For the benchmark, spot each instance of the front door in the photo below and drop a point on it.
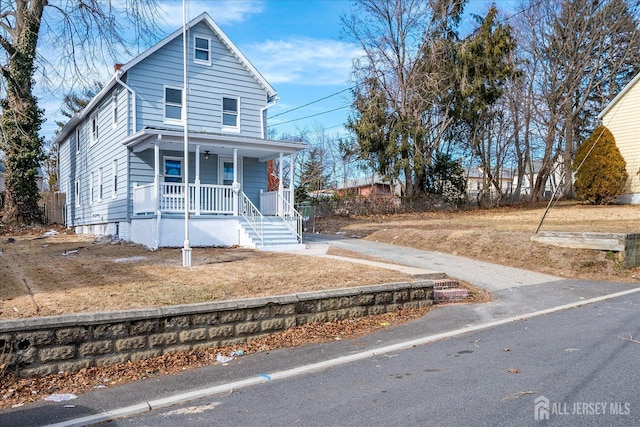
(225, 170)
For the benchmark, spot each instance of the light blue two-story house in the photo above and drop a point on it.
(122, 158)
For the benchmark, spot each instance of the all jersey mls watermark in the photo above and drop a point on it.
(543, 408)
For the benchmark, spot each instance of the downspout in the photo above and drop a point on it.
(133, 100)
(271, 103)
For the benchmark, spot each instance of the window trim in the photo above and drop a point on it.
(77, 139)
(227, 128)
(196, 49)
(95, 128)
(164, 169)
(114, 179)
(170, 120)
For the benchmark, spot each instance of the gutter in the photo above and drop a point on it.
(272, 100)
(133, 100)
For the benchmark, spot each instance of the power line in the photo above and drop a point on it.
(312, 102)
(312, 115)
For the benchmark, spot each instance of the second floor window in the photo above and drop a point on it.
(230, 115)
(94, 128)
(172, 104)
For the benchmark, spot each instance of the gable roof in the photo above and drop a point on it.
(203, 17)
(619, 96)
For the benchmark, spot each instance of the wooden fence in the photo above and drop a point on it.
(53, 207)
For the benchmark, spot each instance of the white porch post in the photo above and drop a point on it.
(291, 195)
(156, 173)
(280, 188)
(197, 180)
(236, 184)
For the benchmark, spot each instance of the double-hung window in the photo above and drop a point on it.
(202, 50)
(231, 114)
(94, 128)
(114, 179)
(78, 201)
(91, 187)
(100, 185)
(114, 111)
(172, 105)
(78, 139)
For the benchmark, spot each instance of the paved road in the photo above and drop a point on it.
(578, 360)
(516, 293)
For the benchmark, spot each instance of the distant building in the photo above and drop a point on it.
(373, 186)
(476, 182)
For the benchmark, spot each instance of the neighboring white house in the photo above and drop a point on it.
(621, 118)
(122, 162)
(476, 182)
(555, 178)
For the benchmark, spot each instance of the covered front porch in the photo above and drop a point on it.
(227, 181)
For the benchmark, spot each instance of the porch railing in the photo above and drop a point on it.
(254, 218)
(203, 198)
(144, 198)
(291, 217)
(269, 201)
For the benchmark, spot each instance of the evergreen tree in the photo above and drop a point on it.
(312, 175)
(600, 169)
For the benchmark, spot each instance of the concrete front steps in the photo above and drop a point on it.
(447, 290)
(277, 236)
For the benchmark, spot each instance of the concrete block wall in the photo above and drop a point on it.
(48, 345)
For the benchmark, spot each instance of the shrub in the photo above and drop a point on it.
(600, 170)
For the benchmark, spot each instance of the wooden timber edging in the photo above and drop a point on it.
(627, 245)
(67, 343)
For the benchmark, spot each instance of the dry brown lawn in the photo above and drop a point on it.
(503, 236)
(66, 273)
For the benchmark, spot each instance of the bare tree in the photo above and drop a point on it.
(75, 32)
(405, 74)
(584, 52)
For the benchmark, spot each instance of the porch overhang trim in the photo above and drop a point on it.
(147, 137)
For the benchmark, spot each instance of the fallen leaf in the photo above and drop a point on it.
(514, 371)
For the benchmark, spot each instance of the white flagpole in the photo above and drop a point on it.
(186, 250)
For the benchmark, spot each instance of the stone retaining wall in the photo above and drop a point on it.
(47, 345)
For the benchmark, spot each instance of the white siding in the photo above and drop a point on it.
(622, 121)
(226, 76)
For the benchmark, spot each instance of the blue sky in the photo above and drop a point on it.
(295, 44)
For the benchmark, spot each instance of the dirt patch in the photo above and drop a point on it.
(503, 236)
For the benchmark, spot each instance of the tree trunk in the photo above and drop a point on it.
(21, 120)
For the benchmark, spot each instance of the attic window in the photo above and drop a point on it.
(202, 53)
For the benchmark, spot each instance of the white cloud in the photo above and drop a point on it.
(304, 61)
(224, 12)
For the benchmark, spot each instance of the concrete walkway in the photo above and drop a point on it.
(484, 274)
(320, 250)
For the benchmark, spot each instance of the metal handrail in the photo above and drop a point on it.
(253, 216)
(290, 211)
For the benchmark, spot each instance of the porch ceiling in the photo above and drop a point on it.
(215, 143)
